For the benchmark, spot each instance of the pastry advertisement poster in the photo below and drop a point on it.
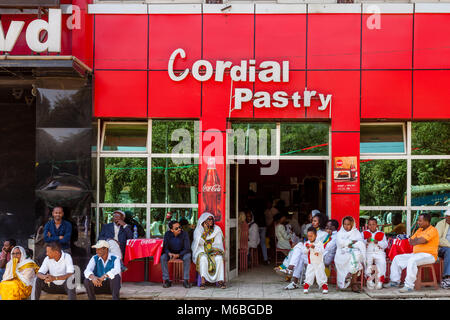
(345, 174)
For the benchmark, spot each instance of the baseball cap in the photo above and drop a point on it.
(121, 212)
(101, 244)
(315, 212)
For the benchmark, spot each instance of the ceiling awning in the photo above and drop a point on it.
(22, 69)
(29, 3)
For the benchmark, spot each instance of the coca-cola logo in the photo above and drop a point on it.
(213, 188)
(339, 163)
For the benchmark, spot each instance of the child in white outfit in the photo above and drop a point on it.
(313, 248)
(376, 243)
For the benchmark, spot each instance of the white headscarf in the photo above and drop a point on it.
(216, 234)
(27, 275)
(344, 237)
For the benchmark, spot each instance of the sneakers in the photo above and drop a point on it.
(325, 288)
(379, 285)
(167, 284)
(406, 289)
(186, 284)
(391, 284)
(306, 288)
(370, 283)
(291, 286)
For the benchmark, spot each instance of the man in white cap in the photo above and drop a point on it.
(102, 274)
(443, 228)
(117, 230)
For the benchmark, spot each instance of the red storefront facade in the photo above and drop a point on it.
(390, 64)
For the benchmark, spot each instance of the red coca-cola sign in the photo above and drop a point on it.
(339, 163)
(211, 190)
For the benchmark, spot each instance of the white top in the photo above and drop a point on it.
(111, 273)
(253, 236)
(282, 237)
(116, 232)
(316, 254)
(57, 268)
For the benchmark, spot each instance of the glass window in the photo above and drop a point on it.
(160, 217)
(175, 136)
(94, 137)
(252, 139)
(304, 139)
(432, 138)
(125, 137)
(383, 182)
(391, 223)
(174, 182)
(133, 217)
(430, 182)
(124, 180)
(388, 138)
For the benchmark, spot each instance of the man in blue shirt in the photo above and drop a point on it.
(58, 230)
(176, 246)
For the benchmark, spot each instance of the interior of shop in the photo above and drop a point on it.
(298, 187)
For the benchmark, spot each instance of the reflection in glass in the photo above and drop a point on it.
(168, 134)
(252, 139)
(123, 180)
(63, 151)
(125, 137)
(383, 182)
(392, 223)
(63, 103)
(382, 138)
(430, 182)
(304, 139)
(160, 217)
(134, 217)
(174, 182)
(430, 138)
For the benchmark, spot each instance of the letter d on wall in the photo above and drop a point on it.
(53, 28)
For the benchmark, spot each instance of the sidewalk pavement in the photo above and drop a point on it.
(254, 284)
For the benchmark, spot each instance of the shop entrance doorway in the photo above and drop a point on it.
(297, 187)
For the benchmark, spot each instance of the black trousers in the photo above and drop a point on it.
(108, 286)
(53, 289)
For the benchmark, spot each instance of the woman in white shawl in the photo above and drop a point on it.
(207, 251)
(19, 276)
(350, 255)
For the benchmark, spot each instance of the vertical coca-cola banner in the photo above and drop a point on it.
(212, 176)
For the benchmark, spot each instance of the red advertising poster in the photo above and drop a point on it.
(345, 174)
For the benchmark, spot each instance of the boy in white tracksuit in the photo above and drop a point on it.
(314, 250)
(376, 243)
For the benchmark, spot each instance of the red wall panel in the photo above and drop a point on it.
(83, 35)
(386, 94)
(120, 94)
(390, 46)
(345, 205)
(168, 98)
(344, 86)
(296, 84)
(281, 37)
(334, 41)
(216, 103)
(120, 41)
(431, 94)
(431, 41)
(228, 37)
(168, 32)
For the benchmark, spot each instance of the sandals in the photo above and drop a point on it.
(202, 286)
(222, 285)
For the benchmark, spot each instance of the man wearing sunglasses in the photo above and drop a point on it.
(176, 246)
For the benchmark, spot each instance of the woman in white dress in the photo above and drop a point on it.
(207, 251)
(350, 255)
